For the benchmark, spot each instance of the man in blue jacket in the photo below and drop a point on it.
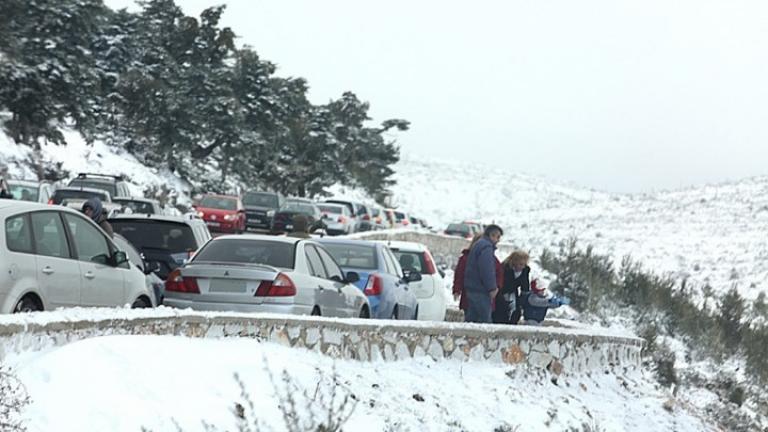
(480, 276)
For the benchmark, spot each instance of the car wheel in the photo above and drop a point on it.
(140, 303)
(365, 313)
(27, 304)
(416, 314)
(316, 311)
(394, 313)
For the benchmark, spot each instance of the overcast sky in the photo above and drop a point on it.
(624, 96)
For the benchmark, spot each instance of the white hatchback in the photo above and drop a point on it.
(53, 256)
(430, 291)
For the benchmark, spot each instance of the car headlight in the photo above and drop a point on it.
(271, 213)
(230, 217)
(201, 214)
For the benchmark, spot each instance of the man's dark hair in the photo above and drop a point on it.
(490, 229)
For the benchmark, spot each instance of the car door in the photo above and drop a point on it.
(58, 275)
(102, 284)
(346, 295)
(404, 305)
(326, 294)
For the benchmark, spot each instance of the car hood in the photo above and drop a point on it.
(217, 212)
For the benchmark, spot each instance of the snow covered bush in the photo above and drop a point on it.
(13, 399)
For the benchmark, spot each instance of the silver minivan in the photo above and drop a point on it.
(53, 256)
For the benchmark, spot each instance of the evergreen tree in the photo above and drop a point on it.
(732, 307)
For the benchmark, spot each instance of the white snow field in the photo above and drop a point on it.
(124, 383)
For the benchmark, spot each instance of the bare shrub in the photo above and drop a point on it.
(13, 399)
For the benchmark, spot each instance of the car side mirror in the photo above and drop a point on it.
(442, 273)
(151, 267)
(412, 276)
(119, 257)
(352, 277)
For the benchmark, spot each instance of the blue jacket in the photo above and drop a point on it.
(480, 273)
(535, 308)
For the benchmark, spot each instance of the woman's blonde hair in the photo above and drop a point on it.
(477, 237)
(517, 257)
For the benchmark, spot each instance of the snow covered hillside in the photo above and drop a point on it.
(128, 382)
(715, 234)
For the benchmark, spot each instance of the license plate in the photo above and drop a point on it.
(228, 285)
(213, 224)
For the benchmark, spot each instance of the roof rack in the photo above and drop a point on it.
(84, 175)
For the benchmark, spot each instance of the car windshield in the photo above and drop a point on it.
(399, 216)
(95, 184)
(63, 196)
(136, 206)
(458, 228)
(375, 212)
(221, 203)
(353, 256)
(24, 192)
(273, 253)
(260, 199)
(330, 208)
(411, 261)
(298, 207)
(172, 237)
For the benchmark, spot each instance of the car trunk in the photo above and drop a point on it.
(230, 283)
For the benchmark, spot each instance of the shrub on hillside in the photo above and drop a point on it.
(13, 399)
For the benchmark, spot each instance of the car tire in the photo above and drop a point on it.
(365, 313)
(27, 304)
(316, 311)
(140, 303)
(394, 313)
(416, 314)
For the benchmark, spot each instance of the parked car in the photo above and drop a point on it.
(401, 219)
(356, 210)
(222, 213)
(430, 290)
(381, 278)
(390, 219)
(155, 285)
(283, 220)
(114, 184)
(459, 230)
(378, 218)
(139, 205)
(54, 257)
(477, 227)
(260, 207)
(166, 242)
(30, 190)
(337, 219)
(262, 273)
(75, 197)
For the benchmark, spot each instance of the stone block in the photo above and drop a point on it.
(513, 355)
(539, 359)
(331, 336)
(435, 350)
(401, 351)
(313, 335)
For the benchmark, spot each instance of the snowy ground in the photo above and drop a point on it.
(127, 382)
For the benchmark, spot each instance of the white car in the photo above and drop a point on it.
(262, 273)
(430, 291)
(53, 256)
(337, 219)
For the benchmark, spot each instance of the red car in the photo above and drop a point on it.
(222, 213)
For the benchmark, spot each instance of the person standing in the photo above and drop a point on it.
(5, 191)
(480, 281)
(516, 284)
(460, 271)
(94, 210)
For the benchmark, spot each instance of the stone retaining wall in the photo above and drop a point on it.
(559, 350)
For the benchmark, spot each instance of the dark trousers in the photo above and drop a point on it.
(478, 307)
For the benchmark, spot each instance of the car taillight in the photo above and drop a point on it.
(282, 286)
(405, 222)
(366, 217)
(342, 219)
(50, 201)
(429, 264)
(177, 283)
(374, 285)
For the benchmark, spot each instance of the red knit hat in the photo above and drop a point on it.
(537, 286)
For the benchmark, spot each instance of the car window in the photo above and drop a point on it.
(413, 261)
(62, 196)
(333, 270)
(260, 199)
(316, 267)
(351, 255)
(48, 234)
(331, 209)
(221, 203)
(94, 184)
(273, 253)
(24, 192)
(90, 243)
(130, 251)
(154, 234)
(18, 236)
(137, 206)
(390, 261)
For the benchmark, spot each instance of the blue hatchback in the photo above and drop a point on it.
(381, 277)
